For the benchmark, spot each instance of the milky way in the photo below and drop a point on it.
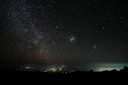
(64, 31)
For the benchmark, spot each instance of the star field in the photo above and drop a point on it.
(57, 31)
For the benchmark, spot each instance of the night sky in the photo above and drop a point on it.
(63, 31)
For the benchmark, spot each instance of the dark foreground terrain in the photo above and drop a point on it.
(64, 77)
(15, 72)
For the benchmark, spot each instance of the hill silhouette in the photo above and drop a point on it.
(13, 71)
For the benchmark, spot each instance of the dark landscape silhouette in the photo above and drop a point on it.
(13, 71)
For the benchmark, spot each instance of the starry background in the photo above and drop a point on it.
(63, 31)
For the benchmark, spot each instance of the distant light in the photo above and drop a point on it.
(27, 67)
(63, 65)
(102, 69)
(52, 70)
(45, 71)
(60, 69)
